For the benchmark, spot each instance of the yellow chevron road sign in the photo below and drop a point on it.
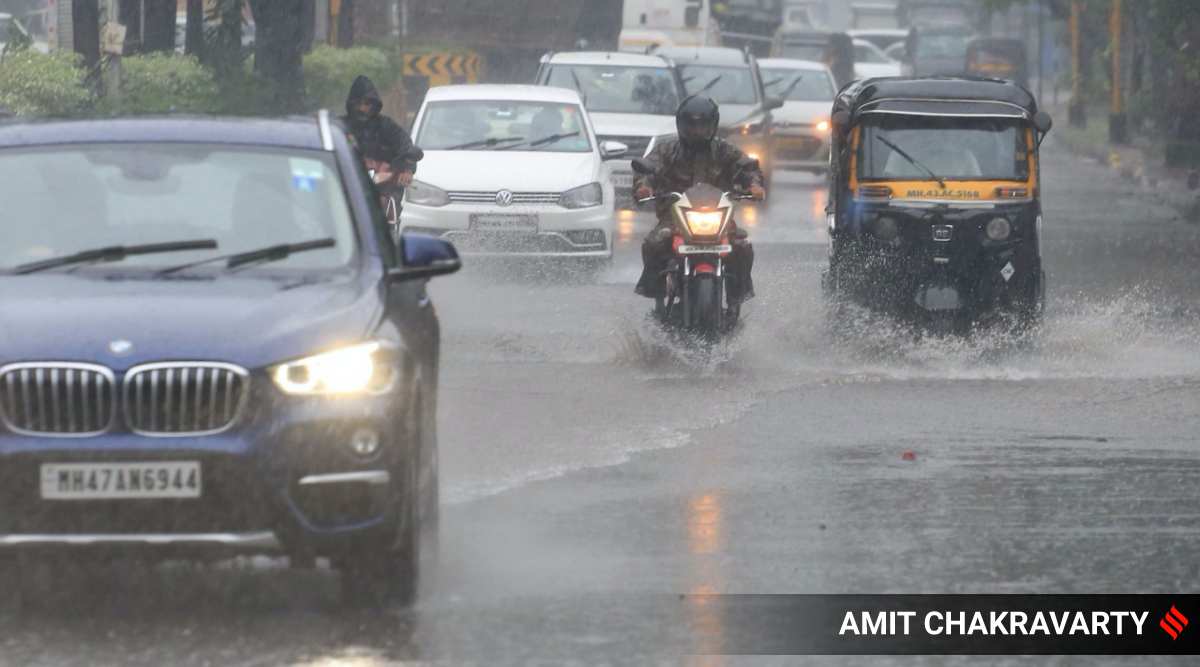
(443, 67)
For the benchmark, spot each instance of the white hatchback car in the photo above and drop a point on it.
(512, 170)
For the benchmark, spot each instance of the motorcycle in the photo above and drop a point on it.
(694, 295)
(390, 195)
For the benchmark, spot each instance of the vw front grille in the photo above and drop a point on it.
(483, 197)
(57, 399)
(175, 399)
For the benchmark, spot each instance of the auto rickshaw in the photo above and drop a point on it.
(998, 58)
(935, 201)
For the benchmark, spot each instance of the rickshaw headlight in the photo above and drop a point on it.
(999, 229)
(704, 223)
(886, 228)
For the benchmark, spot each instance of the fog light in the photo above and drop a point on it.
(998, 229)
(365, 442)
(586, 236)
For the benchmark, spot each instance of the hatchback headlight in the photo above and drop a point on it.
(704, 223)
(424, 194)
(998, 229)
(584, 196)
(366, 368)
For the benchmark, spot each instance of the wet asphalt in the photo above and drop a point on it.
(593, 470)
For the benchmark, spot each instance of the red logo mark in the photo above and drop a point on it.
(1173, 623)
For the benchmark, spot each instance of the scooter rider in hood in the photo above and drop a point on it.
(379, 138)
(696, 155)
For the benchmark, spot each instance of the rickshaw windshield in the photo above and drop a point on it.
(902, 147)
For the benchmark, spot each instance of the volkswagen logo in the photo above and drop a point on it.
(504, 198)
(120, 347)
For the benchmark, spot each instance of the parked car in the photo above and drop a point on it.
(631, 99)
(802, 123)
(732, 79)
(871, 63)
(513, 170)
(211, 345)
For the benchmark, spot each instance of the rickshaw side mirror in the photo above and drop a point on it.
(840, 121)
(1043, 122)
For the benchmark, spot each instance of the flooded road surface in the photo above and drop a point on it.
(593, 470)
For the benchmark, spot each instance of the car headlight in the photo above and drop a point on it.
(358, 369)
(583, 196)
(822, 126)
(704, 223)
(998, 229)
(755, 127)
(424, 194)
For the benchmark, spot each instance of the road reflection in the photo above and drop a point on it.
(705, 539)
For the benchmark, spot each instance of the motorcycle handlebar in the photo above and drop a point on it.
(675, 195)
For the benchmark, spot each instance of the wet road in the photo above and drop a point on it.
(587, 462)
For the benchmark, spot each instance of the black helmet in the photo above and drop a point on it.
(696, 121)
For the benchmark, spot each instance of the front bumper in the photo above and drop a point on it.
(546, 231)
(801, 149)
(282, 479)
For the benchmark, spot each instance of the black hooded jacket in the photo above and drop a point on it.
(377, 136)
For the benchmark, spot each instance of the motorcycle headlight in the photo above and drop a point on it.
(424, 194)
(359, 369)
(584, 196)
(704, 223)
(998, 229)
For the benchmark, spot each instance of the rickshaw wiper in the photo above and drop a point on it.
(912, 160)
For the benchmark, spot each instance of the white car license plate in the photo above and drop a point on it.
(120, 481)
(622, 180)
(499, 222)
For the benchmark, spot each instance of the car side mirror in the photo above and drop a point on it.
(643, 166)
(1043, 122)
(772, 103)
(424, 256)
(611, 150)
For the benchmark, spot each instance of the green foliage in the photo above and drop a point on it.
(162, 83)
(328, 73)
(38, 84)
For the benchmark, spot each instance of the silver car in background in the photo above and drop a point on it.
(802, 124)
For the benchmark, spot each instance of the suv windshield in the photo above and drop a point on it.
(952, 148)
(725, 85)
(549, 127)
(641, 90)
(75, 198)
(805, 85)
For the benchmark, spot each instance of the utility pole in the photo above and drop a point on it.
(1076, 111)
(1041, 53)
(1118, 127)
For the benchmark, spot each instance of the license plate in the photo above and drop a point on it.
(622, 180)
(705, 249)
(493, 222)
(121, 481)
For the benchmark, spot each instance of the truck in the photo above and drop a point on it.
(647, 24)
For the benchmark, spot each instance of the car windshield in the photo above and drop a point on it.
(548, 127)
(941, 46)
(725, 85)
(640, 90)
(952, 148)
(65, 200)
(804, 85)
(803, 51)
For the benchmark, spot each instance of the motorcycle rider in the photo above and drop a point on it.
(696, 155)
(380, 139)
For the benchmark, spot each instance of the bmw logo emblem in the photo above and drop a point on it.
(504, 198)
(120, 347)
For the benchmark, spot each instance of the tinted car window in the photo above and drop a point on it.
(642, 90)
(83, 197)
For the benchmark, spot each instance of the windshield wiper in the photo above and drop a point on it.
(115, 253)
(544, 140)
(484, 142)
(710, 84)
(268, 254)
(912, 160)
